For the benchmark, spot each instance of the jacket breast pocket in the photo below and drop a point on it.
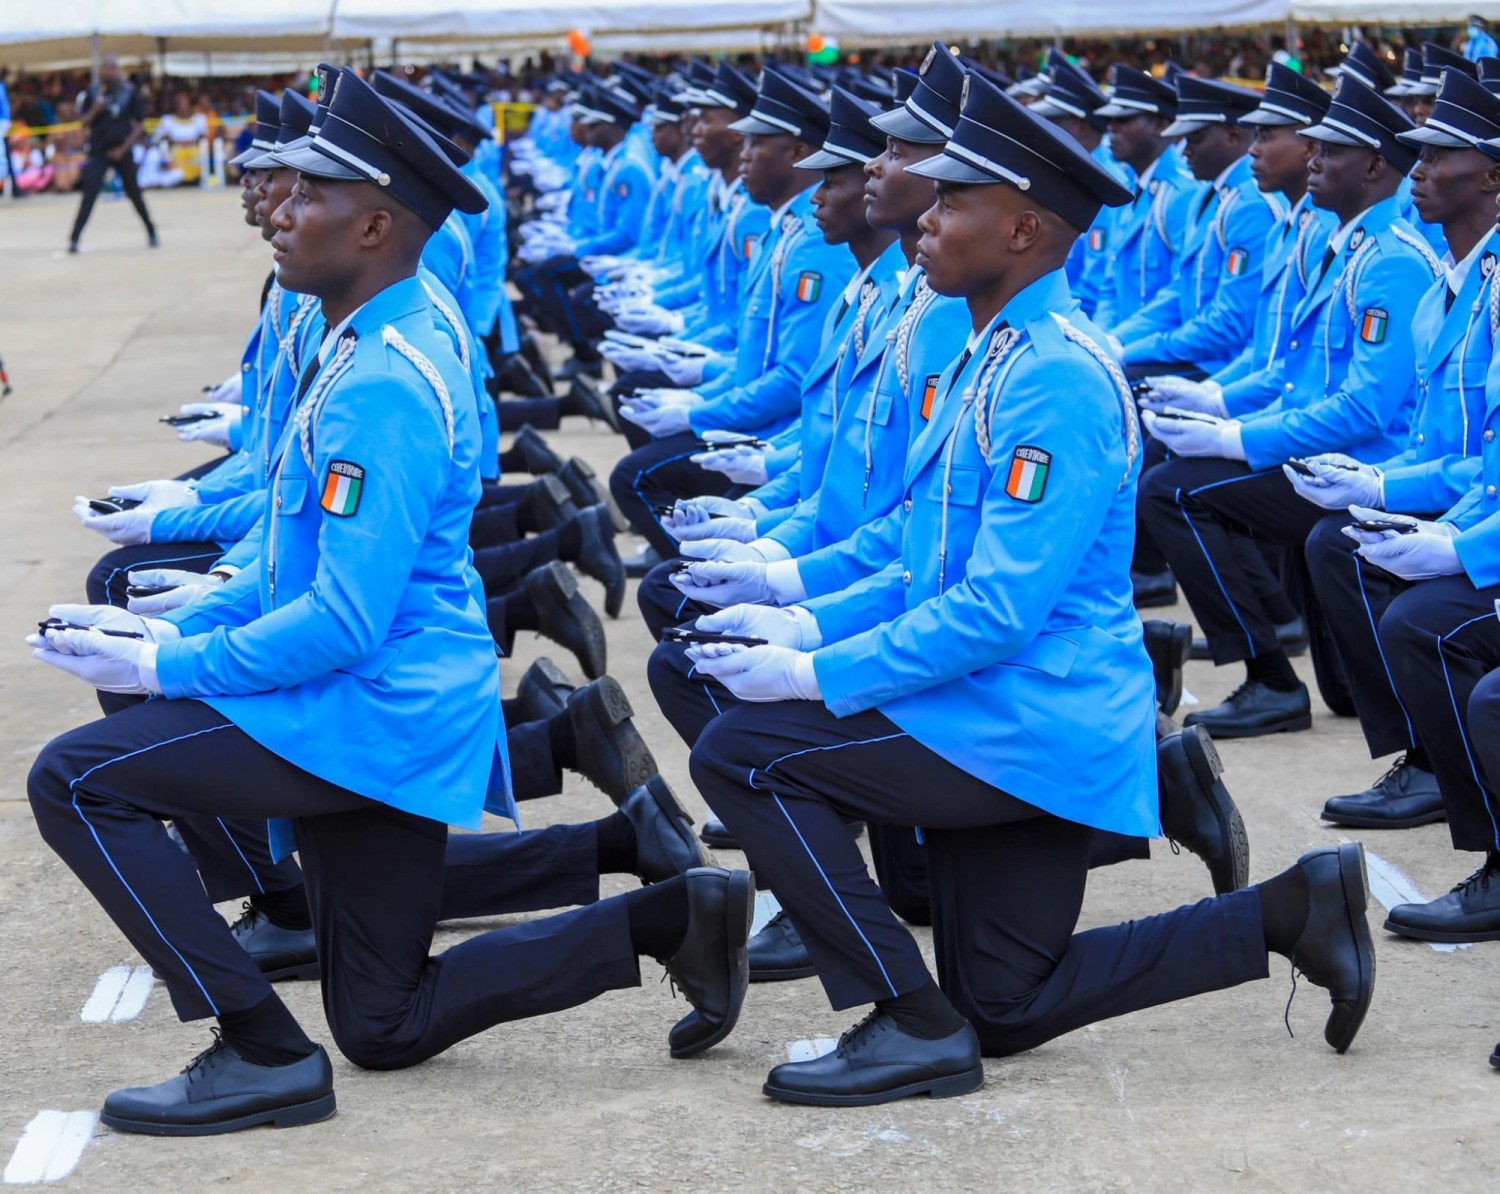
(1333, 336)
(1475, 366)
(964, 484)
(291, 496)
(1052, 654)
(884, 400)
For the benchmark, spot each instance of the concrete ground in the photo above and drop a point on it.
(1206, 1095)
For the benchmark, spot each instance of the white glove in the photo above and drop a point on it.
(653, 321)
(792, 626)
(1427, 552)
(1206, 397)
(743, 466)
(683, 371)
(660, 420)
(1336, 488)
(721, 583)
(122, 665)
(1199, 436)
(188, 587)
(217, 431)
(598, 263)
(1364, 513)
(666, 396)
(741, 530)
(722, 549)
(758, 673)
(627, 358)
(124, 529)
(230, 390)
(112, 617)
(700, 509)
(158, 494)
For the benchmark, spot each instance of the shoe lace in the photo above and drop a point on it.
(200, 1063)
(247, 916)
(1393, 774)
(1286, 1016)
(858, 1030)
(1479, 880)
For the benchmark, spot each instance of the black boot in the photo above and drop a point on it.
(565, 616)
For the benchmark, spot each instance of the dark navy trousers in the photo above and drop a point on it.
(375, 883)
(1007, 881)
(658, 474)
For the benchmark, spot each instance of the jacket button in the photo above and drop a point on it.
(1421, 438)
(1489, 436)
(1293, 346)
(278, 501)
(1288, 387)
(1490, 491)
(245, 368)
(906, 505)
(906, 576)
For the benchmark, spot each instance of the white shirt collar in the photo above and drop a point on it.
(1458, 271)
(1143, 181)
(1340, 238)
(856, 282)
(782, 210)
(331, 340)
(1223, 174)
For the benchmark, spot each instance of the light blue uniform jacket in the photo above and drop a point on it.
(358, 650)
(1145, 241)
(621, 202)
(1009, 644)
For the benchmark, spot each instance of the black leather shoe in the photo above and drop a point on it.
(1334, 949)
(1404, 796)
(565, 616)
(777, 953)
(582, 482)
(1167, 645)
(608, 751)
(710, 967)
(583, 399)
(1154, 588)
(548, 502)
(664, 842)
(716, 834)
(642, 562)
(543, 691)
(878, 1063)
(534, 451)
(1197, 810)
(1292, 637)
(222, 1092)
(279, 953)
(1254, 709)
(573, 367)
(597, 557)
(1495, 1057)
(1470, 912)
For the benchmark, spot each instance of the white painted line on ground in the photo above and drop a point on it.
(1391, 886)
(120, 994)
(807, 1050)
(766, 906)
(49, 1147)
(1187, 698)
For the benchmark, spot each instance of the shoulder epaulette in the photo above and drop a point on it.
(1122, 390)
(399, 343)
(1422, 247)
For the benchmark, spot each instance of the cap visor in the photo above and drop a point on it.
(1183, 128)
(823, 160)
(309, 161)
(1114, 111)
(1269, 119)
(902, 125)
(1426, 135)
(1398, 90)
(1045, 107)
(1319, 132)
(753, 126)
(261, 161)
(242, 160)
(943, 168)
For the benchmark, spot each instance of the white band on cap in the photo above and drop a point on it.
(928, 119)
(858, 156)
(1070, 109)
(1362, 137)
(1201, 117)
(1138, 105)
(1299, 117)
(719, 98)
(1019, 181)
(775, 121)
(1443, 127)
(339, 154)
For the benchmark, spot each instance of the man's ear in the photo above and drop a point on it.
(378, 227)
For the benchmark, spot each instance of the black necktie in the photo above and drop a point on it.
(1203, 207)
(1328, 255)
(304, 383)
(1448, 297)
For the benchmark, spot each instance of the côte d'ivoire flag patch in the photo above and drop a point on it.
(1096, 240)
(929, 393)
(341, 488)
(809, 286)
(1028, 474)
(1236, 262)
(1372, 325)
(747, 247)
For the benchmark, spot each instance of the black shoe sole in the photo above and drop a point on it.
(938, 1088)
(1204, 760)
(1179, 647)
(782, 976)
(1286, 725)
(1495, 1057)
(299, 971)
(294, 1116)
(1357, 822)
(538, 696)
(1156, 600)
(1356, 886)
(739, 911)
(719, 841)
(667, 801)
(1418, 934)
(612, 707)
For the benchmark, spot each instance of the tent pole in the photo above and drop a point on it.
(94, 58)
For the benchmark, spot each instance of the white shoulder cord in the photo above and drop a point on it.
(1122, 390)
(868, 293)
(1001, 346)
(900, 336)
(330, 374)
(778, 261)
(1422, 247)
(395, 340)
(451, 320)
(288, 353)
(1348, 279)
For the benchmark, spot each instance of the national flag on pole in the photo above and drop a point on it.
(341, 488)
(1372, 326)
(1028, 474)
(809, 286)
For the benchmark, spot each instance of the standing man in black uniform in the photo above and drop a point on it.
(114, 114)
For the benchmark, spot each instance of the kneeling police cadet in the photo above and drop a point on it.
(938, 694)
(345, 681)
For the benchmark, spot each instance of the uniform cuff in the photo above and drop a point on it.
(809, 632)
(771, 550)
(805, 679)
(785, 582)
(147, 666)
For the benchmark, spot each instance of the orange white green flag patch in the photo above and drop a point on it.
(342, 487)
(1372, 325)
(1027, 480)
(809, 286)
